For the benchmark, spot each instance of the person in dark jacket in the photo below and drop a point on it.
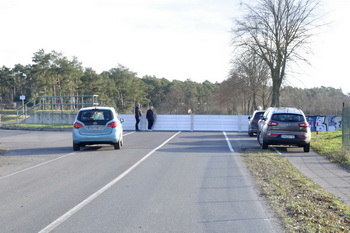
(150, 115)
(138, 115)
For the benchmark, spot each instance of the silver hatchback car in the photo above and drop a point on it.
(97, 125)
(284, 126)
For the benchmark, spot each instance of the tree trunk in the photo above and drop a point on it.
(275, 102)
(276, 86)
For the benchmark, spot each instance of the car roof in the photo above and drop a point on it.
(96, 107)
(258, 111)
(287, 110)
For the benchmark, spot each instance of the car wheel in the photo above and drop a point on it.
(76, 147)
(259, 137)
(263, 144)
(117, 145)
(307, 148)
(121, 141)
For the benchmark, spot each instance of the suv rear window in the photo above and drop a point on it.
(287, 117)
(95, 115)
(258, 115)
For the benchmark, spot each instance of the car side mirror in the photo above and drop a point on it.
(249, 117)
(121, 120)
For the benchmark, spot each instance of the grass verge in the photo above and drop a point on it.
(302, 205)
(329, 145)
(41, 126)
(8, 118)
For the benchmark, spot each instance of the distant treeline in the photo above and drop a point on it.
(53, 74)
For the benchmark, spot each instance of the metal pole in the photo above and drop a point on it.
(23, 106)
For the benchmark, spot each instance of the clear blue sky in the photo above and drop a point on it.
(174, 39)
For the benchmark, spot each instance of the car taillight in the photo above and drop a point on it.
(303, 125)
(112, 124)
(77, 125)
(272, 123)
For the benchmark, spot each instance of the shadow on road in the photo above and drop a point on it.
(38, 151)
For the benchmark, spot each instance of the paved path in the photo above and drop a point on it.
(330, 176)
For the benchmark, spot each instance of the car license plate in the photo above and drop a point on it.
(94, 127)
(288, 136)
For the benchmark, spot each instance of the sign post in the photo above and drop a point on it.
(22, 97)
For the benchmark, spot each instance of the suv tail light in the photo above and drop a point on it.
(112, 124)
(272, 123)
(303, 125)
(77, 125)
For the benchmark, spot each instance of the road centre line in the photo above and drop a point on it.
(41, 164)
(228, 142)
(85, 202)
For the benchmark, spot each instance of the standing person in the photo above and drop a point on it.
(150, 117)
(138, 115)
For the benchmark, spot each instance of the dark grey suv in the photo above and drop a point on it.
(284, 126)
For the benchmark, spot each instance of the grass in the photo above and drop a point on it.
(302, 205)
(329, 145)
(42, 126)
(9, 118)
(8, 111)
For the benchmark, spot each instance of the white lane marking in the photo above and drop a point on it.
(126, 134)
(41, 164)
(228, 142)
(82, 204)
(38, 165)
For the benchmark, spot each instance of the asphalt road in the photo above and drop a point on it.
(158, 182)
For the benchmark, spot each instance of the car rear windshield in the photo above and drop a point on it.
(288, 117)
(258, 115)
(95, 115)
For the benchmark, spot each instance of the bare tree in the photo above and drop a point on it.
(278, 31)
(254, 71)
(230, 95)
